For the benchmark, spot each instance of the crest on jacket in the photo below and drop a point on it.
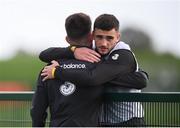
(67, 88)
(115, 56)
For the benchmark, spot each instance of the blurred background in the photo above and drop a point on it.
(150, 27)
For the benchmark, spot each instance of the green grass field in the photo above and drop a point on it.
(22, 68)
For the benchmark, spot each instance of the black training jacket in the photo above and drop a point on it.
(70, 105)
(136, 80)
(75, 98)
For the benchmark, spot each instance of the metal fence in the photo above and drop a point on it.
(15, 109)
(160, 109)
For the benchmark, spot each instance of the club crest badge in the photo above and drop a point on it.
(67, 88)
(115, 56)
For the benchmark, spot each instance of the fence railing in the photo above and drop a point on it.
(160, 108)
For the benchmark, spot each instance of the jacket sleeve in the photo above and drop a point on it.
(136, 80)
(39, 105)
(119, 62)
(55, 53)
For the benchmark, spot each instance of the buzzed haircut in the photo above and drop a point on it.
(106, 22)
(78, 25)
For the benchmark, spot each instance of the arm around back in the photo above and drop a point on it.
(119, 62)
(55, 53)
(136, 80)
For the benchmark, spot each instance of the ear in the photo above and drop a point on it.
(67, 39)
(118, 36)
(93, 34)
(90, 37)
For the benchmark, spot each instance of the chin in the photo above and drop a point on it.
(103, 53)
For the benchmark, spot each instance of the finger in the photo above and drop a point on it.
(89, 59)
(95, 53)
(45, 78)
(44, 74)
(53, 61)
(93, 58)
(44, 70)
(46, 67)
(86, 58)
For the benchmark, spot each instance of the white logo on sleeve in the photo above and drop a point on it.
(67, 88)
(71, 66)
(115, 56)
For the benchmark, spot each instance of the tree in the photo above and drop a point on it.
(137, 39)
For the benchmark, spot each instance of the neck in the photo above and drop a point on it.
(81, 43)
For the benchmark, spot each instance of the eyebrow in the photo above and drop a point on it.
(102, 36)
(109, 37)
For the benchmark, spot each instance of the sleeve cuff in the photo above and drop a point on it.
(53, 72)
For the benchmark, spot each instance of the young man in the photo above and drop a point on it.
(69, 104)
(118, 65)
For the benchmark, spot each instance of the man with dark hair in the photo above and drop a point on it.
(106, 22)
(78, 29)
(117, 70)
(116, 113)
(69, 105)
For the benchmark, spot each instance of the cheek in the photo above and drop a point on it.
(98, 43)
(112, 45)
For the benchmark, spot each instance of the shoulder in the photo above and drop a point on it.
(121, 51)
(121, 54)
(121, 45)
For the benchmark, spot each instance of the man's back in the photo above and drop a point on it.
(70, 104)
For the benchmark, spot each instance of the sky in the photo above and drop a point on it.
(34, 25)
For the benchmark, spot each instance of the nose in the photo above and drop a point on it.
(104, 42)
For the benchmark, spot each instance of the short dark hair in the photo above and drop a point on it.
(77, 25)
(106, 22)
